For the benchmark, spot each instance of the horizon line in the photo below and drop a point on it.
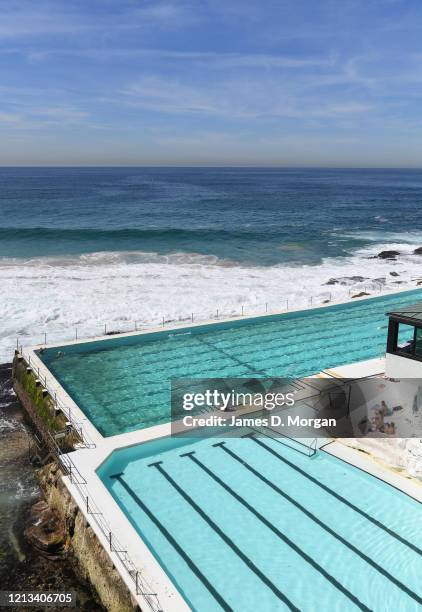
(218, 166)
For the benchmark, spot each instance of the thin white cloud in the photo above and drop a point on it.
(236, 99)
(70, 115)
(33, 117)
(176, 14)
(211, 59)
(30, 19)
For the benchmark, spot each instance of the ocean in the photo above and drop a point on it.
(87, 247)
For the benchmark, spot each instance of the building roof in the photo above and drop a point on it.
(409, 313)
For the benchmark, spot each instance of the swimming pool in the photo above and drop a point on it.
(251, 524)
(123, 384)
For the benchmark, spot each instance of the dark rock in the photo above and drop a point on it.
(387, 254)
(45, 531)
(361, 294)
(346, 280)
(394, 274)
(357, 279)
(418, 251)
(381, 281)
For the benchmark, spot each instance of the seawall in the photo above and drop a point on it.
(93, 563)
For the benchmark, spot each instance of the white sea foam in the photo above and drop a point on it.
(56, 295)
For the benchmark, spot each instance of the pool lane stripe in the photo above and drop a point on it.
(232, 357)
(193, 567)
(334, 494)
(225, 537)
(314, 518)
(278, 533)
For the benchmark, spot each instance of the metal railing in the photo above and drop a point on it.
(79, 483)
(141, 586)
(80, 431)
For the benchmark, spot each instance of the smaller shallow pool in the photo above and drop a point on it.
(251, 524)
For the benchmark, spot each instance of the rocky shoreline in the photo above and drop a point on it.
(33, 552)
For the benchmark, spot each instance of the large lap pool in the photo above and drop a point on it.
(250, 524)
(123, 384)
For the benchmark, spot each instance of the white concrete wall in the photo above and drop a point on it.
(402, 367)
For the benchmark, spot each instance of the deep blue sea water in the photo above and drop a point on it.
(84, 247)
(255, 215)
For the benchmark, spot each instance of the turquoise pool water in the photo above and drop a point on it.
(250, 524)
(123, 384)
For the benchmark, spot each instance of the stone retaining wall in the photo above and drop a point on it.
(92, 561)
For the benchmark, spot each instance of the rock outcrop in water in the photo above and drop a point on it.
(361, 294)
(45, 531)
(387, 255)
(418, 251)
(346, 280)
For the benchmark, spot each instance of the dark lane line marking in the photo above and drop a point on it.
(175, 545)
(278, 533)
(231, 356)
(328, 529)
(336, 495)
(225, 537)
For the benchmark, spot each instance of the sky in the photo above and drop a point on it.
(211, 82)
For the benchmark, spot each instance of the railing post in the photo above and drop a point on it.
(287, 304)
(242, 311)
(192, 317)
(217, 314)
(105, 329)
(76, 333)
(109, 539)
(266, 306)
(136, 328)
(45, 337)
(163, 321)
